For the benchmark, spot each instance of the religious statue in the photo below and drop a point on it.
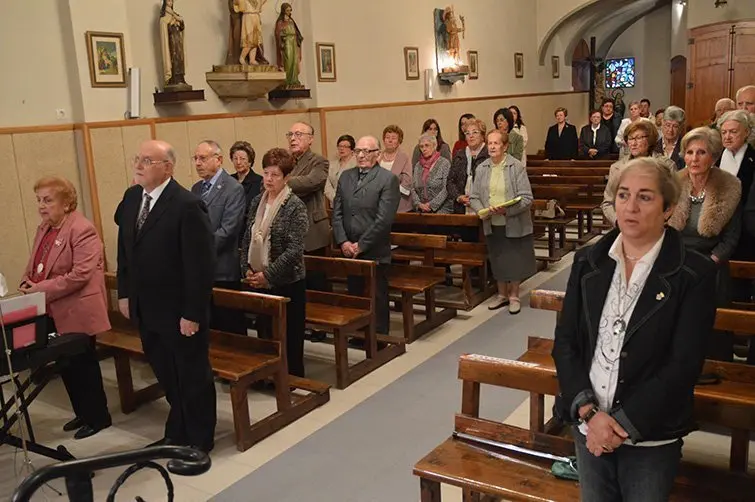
(250, 36)
(453, 30)
(172, 45)
(288, 39)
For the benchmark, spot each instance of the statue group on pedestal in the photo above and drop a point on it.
(245, 44)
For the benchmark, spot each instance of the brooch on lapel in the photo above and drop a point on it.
(58, 242)
(660, 296)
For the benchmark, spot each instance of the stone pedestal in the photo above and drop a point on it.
(244, 81)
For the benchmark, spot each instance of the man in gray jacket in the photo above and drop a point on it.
(226, 203)
(363, 211)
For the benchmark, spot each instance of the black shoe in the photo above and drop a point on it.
(205, 449)
(164, 442)
(87, 430)
(318, 336)
(74, 424)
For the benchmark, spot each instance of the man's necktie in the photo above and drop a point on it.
(144, 212)
(206, 185)
(362, 176)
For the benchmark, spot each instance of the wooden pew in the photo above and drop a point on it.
(518, 477)
(470, 255)
(409, 281)
(569, 163)
(569, 171)
(730, 404)
(583, 204)
(240, 360)
(413, 280)
(349, 316)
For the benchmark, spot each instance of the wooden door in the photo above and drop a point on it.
(678, 81)
(743, 56)
(708, 76)
(580, 67)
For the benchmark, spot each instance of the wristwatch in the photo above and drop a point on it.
(588, 416)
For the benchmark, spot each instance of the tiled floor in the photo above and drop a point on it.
(51, 410)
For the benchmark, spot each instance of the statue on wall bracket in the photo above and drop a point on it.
(175, 88)
(288, 41)
(450, 66)
(246, 74)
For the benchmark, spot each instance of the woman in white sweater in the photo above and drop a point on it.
(521, 129)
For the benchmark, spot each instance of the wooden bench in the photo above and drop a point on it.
(570, 171)
(239, 360)
(470, 255)
(583, 204)
(730, 403)
(409, 281)
(569, 163)
(491, 474)
(412, 280)
(347, 316)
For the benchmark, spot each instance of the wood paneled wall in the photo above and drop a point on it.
(97, 157)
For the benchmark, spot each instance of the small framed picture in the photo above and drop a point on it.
(474, 69)
(555, 66)
(519, 65)
(326, 62)
(107, 59)
(411, 63)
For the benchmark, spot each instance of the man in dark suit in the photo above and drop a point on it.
(364, 208)
(226, 204)
(611, 120)
(595, 139)
(166, 259)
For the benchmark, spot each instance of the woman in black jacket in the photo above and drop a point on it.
(561, 142)
(630, 344)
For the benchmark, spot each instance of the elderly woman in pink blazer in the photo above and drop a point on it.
(66, 264)
(395, 160)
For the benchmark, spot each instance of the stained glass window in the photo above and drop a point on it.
(619, 73)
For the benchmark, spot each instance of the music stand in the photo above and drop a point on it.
(43, 357)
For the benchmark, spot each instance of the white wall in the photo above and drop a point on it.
(649, 42)
(701, 12)
(549, 12)
(679, 46)
(370, 40)
(34, 82)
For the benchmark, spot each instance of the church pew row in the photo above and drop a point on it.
(557, 164)
(491, 473)
(408, 282)
(730, 403)
(348, 316)
(239, 360)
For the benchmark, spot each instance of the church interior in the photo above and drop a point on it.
(379, 413)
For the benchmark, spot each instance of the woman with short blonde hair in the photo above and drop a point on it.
(394, 159)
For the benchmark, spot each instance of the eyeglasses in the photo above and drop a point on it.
(671, 125)
(360, 151)
(298, 134)
(471, 133)
(145, 161)
(202, 158)
(636, 139)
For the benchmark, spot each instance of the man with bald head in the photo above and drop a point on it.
(364, 208)
(166, 260)
(746, 101)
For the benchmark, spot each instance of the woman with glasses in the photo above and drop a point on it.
(461, 143)
(640, 137)
(672, 129)
(432, 127)
(464, 165)
(709, 217)
(394, 159)
(345, 160)
(634, 115)
(504, 122)
(429, 193)
(243, 156)
(630, 343)
(67, 265)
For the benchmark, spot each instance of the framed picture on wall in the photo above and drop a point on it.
(326, 62)
(474, 70)
(411, 63)
(107, 59)
(518, 65)
(555, 66)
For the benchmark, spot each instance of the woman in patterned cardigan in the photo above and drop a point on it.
(272, 258)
